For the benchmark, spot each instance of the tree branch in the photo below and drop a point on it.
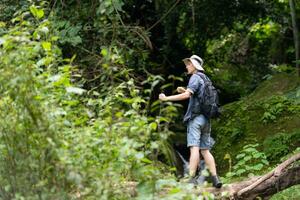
(278, 179)
(164, 16)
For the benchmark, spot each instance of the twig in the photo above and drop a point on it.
(144, 37)
(118, 14)
(164, 16)
(89, 52)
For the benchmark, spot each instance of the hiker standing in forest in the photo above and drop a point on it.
(198, 125)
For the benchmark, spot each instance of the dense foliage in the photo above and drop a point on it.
(58, 139)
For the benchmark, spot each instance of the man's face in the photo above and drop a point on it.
(190, 67)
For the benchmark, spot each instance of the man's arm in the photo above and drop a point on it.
(178, 97)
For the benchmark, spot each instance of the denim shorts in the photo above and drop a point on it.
(198, 133)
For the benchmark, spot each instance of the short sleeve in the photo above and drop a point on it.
(194, 83)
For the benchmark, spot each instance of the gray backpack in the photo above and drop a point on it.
(208, 98)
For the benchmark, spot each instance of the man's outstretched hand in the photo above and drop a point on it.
(162, 97)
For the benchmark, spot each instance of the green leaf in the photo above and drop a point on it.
(249, 149)
(240, 155)
(155, 103)
(44, 30)
(146, 160)
(139, 155)
(174, 190)
(257, 155)
(240, 171)
(153, 126)
(37, 13)
(2, 24)
(166, 86)
(154, 145)
(258, 167)
(248, 168)
(2, 41)
(118, 4)
(265, 162)
(154, 83)
(229, 174)
(104, 52)
(46, 46)
(75, 90)
(247, 158)
(76, 40)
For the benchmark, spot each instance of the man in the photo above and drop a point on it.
(198, 126)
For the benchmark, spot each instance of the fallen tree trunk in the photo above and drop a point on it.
(265, 186)
(280, 178)
(272, 185)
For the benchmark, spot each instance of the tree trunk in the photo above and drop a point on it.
(273, 185)
(265, 186)
(262, 187)
(295, 33)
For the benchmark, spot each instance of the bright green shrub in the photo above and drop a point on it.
(61, 141)
(249, 162)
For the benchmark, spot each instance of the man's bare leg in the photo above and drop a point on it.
(209, 161)
(194, 160)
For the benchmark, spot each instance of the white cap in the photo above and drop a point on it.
(196, 60)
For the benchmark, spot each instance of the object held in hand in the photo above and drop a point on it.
(162, 97)
(181, 89)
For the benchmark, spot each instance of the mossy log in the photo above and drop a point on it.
(283, 176)
(280, 178)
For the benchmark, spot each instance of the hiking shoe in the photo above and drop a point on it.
(189, 179)
(193, 180)
(200, 179)
(216, 182)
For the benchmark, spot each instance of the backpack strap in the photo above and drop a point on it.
(203, 76)
(205, 79)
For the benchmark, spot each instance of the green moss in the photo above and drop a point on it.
(292, 193)
(279, 84)
(272, 109)
(276, 146)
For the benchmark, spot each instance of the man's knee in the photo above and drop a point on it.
(194, 149)
(204, 152)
